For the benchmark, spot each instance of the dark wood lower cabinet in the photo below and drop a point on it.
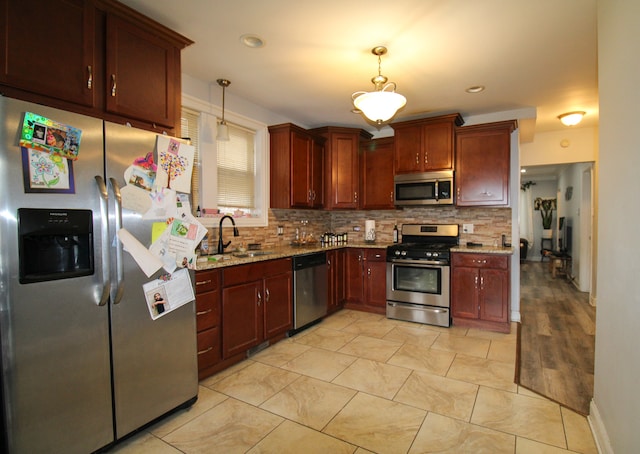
(242, 318)
(365, 280)
(335, 286)
(256, 305)
(208, 321)
(480, 291)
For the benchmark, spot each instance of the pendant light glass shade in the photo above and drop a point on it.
(379, 106)
(222, 133)
(383, 103)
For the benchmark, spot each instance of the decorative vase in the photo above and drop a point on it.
(547, 233)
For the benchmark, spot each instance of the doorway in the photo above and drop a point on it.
(542, 333)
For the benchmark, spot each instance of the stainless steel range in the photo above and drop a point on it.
(418, 274)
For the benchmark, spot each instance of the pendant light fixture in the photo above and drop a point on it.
(381, 104)
(223, 129)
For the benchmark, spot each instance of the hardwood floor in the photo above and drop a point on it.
(556, 339)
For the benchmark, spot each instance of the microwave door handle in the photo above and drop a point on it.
(104, 235)
(437, 191)
(119, 266)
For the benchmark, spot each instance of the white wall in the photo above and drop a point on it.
(560, 147)
(615, 412)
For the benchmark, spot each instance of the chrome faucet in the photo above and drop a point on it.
(221, 245)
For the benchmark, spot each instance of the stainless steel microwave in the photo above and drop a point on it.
(430, 188)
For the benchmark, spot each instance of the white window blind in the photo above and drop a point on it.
(189, 129)
(237, 169)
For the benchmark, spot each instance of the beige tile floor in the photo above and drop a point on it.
(360, 383)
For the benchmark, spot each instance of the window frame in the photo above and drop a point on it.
(209, 116)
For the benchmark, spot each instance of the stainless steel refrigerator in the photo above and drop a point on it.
(83, 363)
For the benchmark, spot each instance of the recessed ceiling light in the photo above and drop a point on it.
(252, 41)
(475, 89)
(523, 170)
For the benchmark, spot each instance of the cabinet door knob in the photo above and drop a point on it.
(90, 78)
(417, 158)
(259, 298)
(113, 85)
(266, 294)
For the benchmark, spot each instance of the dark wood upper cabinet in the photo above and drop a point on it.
(143, 73)
(297, 167)
(376, 174)
(483, 162)
(342, 166)
(49, 48)
(94, 57)
(426, 144)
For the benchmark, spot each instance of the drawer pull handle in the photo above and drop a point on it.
(113, 85)
(204, 312)
(203, 282)
(207, 350)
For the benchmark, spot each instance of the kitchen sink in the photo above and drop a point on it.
(251, 254)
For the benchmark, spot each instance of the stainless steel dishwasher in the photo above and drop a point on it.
(309, 289)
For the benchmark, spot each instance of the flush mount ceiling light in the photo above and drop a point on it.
(571, 118)
(223, 129)
(253, 41)
(382, 104)
(475, 89)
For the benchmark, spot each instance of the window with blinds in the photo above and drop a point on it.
(189, 129)
(237, 170)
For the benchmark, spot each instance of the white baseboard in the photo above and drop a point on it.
(598, 430)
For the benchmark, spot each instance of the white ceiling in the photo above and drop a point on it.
(536, 57)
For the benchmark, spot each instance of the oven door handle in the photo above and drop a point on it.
(419, 262)
(418, 306)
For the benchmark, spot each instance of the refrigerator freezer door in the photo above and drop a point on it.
(154, 361)
(54, 335)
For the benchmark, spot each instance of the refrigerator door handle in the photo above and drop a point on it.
(104, 233)
(119, 266)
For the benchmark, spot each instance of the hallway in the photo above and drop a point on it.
(557, 338)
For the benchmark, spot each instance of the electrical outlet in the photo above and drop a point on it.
(280, 230)
(356, 229)
(467, 228)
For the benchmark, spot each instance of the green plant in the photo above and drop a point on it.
(546, 207)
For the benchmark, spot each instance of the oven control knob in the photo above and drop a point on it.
(403, 253)
(397, 253)
(428, 254)
(435, 254)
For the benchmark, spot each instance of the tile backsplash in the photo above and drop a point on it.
(489, 224)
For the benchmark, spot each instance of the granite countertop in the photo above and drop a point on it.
(498, 250)
(238, 258)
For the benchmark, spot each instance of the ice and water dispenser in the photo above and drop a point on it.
(54, 244)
